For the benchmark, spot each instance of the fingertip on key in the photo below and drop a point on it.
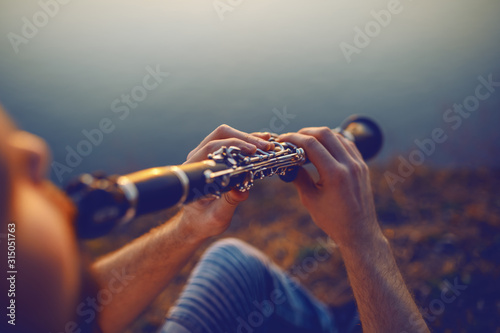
(263, 144)
(281, 136)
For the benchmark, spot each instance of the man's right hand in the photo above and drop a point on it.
(341, 201)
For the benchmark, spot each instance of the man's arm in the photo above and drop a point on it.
(384, 303)
(341, 203)
(137, 273)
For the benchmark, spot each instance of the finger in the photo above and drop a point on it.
(225, 132)
(331, 141)
(351, 148)
(305, 185)
(263, 135)
(212, 146)
(316, 152)
(235, 197)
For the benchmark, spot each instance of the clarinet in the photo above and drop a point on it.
(104, 202)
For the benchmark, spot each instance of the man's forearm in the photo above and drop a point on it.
(146, 266)
(384, 303)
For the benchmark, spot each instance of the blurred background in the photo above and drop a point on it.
(280, 65)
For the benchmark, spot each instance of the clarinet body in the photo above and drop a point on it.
(105, 202)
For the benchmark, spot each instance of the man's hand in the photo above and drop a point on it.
(210, 217)
(154, 259)
(341, 201)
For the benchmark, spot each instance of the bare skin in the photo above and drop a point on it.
(50, 250)
(341, 203)
(172, 244)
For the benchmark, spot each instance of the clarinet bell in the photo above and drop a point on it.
(366, 134)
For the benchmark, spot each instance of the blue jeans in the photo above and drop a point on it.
(237, 289)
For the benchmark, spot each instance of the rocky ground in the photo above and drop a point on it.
(444, 227)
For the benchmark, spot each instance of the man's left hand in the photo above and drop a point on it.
(210, 217)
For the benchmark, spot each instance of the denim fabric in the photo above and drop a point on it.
(236, 289)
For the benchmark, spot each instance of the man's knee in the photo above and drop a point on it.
(236, 254)
(228, 243)
(235, 248)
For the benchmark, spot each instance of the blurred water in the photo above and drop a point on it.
(265, 55)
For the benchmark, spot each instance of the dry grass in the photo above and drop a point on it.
(443, 225)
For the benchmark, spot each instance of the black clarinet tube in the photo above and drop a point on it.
(104, 202)
(160, 188)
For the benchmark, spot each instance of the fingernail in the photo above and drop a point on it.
(263, 143)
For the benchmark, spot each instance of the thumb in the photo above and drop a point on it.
(234, 197)
(305, 184)
(227, 204)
